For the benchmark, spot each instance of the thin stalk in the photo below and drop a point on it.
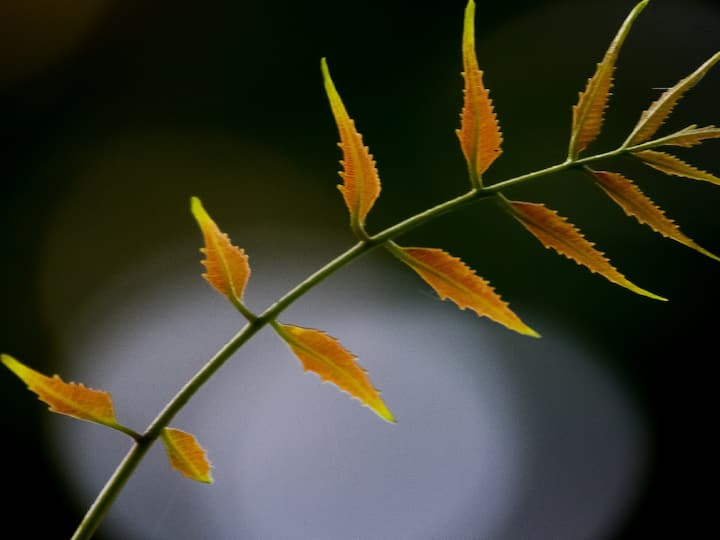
(126, 430)
(115, 483)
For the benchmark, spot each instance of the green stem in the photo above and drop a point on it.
(105, 498)
(112, 488)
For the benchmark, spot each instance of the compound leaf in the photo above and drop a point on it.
(325, 356)
(654, 117)
(479, 133)
(670, 164)
(186, 455)
(554, 231)
(227, 266)
(589, 113)
(71, 399)
(452, 279)
(636, 204)
(361, 183)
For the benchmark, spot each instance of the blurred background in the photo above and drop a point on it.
(115, 113)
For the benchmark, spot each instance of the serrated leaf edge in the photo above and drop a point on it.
(21, 371)
(233, 286)
(362, 388)
(673, 165)
(589, 112)
(654, 217)
(402, 254)
(613, 276)
(187, 468)
(361, 182)
(657, 113)
(479, 134)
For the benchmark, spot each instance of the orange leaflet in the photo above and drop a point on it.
(186, 455)
(691, 136)
(325, 356)
(361, 183)
(654, 117)
(479, 133)
(452, 279)
(669, 164)
(72, 399)
(588, 114)
(556, 232)
(636, 204)
(227, 266)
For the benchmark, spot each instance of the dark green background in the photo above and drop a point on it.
(177, 84)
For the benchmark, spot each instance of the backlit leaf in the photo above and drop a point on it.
(186, 455)
(654, 117)
(479, 133)
(636, 204)
(227, 266)
(72, 399)
(670, 164)
(361, 183)
(325, 356)
(453, 279)
(691, 136)
(589, 113)
(554, 231)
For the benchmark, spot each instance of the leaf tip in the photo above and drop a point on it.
(638, 8)
(9, 362)
(531, 333)
(197, 210)
(469, 15)
(655, 296)
(383, 412)
(23, 372)
(327, 80)
(639, 290)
